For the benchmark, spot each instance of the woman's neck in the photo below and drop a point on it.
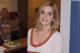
(46, 28)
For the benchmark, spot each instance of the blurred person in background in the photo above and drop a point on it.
(5, 24)
(14, 23)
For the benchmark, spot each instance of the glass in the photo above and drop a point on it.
(6, 38)
(6, 33)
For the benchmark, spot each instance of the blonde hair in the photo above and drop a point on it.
(54, 24)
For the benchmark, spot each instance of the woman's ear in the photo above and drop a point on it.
(53, 19)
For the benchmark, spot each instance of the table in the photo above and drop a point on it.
(23, 44)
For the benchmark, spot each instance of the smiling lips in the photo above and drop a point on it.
(44, 20)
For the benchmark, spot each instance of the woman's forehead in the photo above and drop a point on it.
(46, 8)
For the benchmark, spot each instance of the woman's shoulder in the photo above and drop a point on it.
(57, 34)
(30, 30)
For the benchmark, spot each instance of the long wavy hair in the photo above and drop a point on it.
(54, 24)
(3, 11)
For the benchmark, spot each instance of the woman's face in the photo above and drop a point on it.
(5, 12)
(46, 15)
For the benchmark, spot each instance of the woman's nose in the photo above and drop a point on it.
(44, 15)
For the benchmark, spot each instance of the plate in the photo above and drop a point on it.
(11, 44)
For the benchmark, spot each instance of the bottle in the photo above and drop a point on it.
(1, 41)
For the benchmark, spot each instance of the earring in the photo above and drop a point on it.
(53, 20)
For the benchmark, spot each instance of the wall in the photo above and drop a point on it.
(75, 27)
(11, 5)
(65, 23)
(22, 10)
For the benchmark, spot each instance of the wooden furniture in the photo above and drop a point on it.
(23, 44)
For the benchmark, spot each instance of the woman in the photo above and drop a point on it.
(5, 15)
(5, 24)
(44, 37)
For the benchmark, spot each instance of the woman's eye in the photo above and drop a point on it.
(42, 12)
(50, 14)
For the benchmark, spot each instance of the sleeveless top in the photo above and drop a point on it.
(52, 45)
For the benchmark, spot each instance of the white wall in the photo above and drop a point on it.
(75, 0)
(11, 5)
(65, 23)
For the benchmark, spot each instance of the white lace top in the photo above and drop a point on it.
(52, 45)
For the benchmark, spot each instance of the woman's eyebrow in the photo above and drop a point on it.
(50, 12)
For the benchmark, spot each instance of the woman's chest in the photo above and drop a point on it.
(45, 48)
(40, 38)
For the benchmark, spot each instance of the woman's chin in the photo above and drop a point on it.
(45, 24)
